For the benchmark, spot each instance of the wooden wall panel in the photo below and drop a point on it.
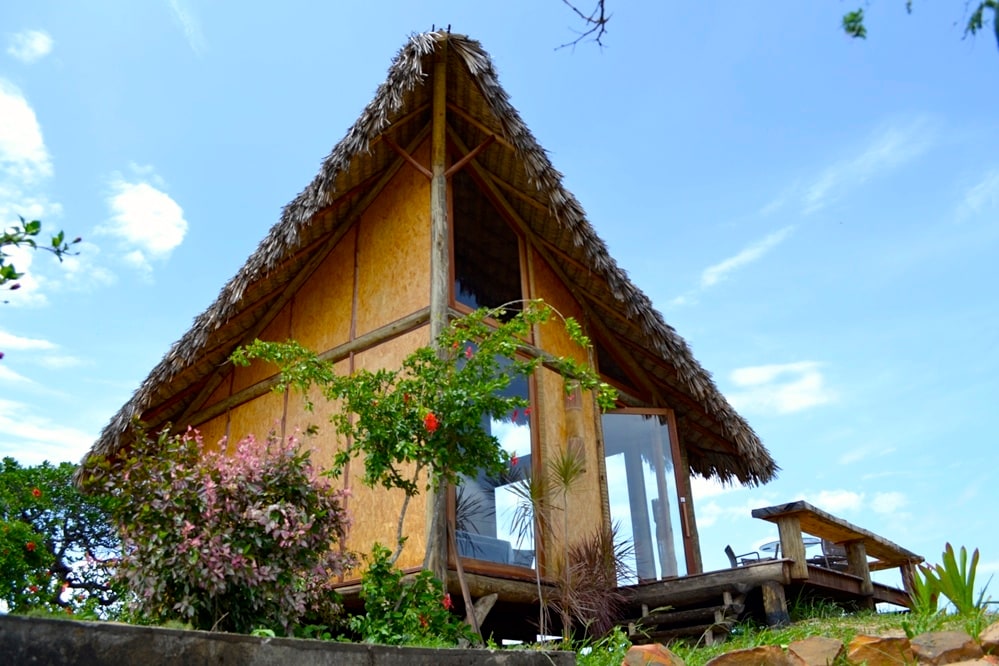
(212, 431)
(257, 417)
(278, 330)
(394, 250)
(549, 287)
(375, 510)
(560, 429)
(321, 313)
(325, 443)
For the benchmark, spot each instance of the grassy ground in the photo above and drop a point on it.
(812, 620)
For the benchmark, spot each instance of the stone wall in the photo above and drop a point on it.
(46, 641)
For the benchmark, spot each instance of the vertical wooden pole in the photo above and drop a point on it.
(792, 546)
(435, 558)
(856, 558)
(688, 517)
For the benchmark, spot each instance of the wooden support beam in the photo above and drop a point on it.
(435, 557)
(401, 152)
(457, 166)
(476, 123)
(775, 604)
(792, 546)
(856, 558)
(379, 335)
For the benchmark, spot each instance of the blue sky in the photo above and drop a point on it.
(818, 217)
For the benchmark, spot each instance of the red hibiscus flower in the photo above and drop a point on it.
(513, 459)
(448, 604)
(36, 492)
(30, 546)
(468, 352)
(33, 588)
(430, 422)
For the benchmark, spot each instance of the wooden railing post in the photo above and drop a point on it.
(856, 559)
(792, 546)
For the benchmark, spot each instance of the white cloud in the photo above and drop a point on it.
(30, 45)
(32, 438)
(8, 376)
(148, 223)
(10, 341)
(191, 26)
(984, 194)
(889, 502)
(837, 501)
(780, 389)
(23, 156)
(890, 148)
(715, 274)
(702, 488)
(866, 451)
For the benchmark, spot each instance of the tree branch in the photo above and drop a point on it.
(595, 23)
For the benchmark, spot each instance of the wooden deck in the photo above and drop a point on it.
(706, 605)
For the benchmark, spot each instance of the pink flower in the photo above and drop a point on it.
(448, 604)
(468, 352)
(516, 413)
(514, 459)
(430, 422)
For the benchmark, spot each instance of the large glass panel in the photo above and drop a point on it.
(642, 491)
(486, 250)
(494, 519)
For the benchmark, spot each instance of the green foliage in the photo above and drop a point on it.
(25, 235)
(57, 545)
(424, 420)
(854, 26)
(228, 542)
(956, 580)
(609, 650)
(398, 612)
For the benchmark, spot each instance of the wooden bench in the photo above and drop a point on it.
(797, 517)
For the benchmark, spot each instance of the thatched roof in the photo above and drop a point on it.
(719, 442)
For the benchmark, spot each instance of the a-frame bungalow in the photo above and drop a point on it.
(439, 200)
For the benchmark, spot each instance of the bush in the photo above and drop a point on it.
(227, 542)
(397, 612)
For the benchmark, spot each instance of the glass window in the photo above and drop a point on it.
(642, 492)
(486, 250)
(494, 518)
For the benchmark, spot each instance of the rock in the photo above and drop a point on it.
(766, 655)
(817, 650)
(944, 647)
(989, 638)
(654, 653)
(880, 651)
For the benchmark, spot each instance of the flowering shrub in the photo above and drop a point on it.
(397, 612)
(227, 542)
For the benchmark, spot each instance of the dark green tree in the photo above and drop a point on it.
(57, 545)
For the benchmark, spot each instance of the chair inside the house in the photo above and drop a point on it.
(741, 560)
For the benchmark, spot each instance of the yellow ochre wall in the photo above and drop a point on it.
(562, 418)
(391, 243)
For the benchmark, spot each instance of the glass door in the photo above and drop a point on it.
(642, 490)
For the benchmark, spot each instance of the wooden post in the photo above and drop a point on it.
(435, 558)
(856, 558)
(775, 604)
(792, 546)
